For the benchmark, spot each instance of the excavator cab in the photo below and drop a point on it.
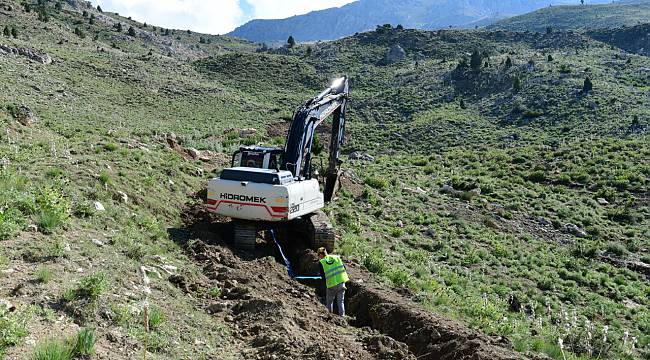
(258, 157)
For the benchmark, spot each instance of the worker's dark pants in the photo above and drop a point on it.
(337, 292)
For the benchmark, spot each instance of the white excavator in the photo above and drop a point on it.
(269, 188)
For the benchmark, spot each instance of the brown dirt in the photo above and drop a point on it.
(275, 317)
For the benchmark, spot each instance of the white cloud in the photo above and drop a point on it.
(211, 16)
(278, 9)
(207, 16)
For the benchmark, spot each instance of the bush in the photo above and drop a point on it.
(399, 277)
(90, 287)
(375, 262)
(377, 182)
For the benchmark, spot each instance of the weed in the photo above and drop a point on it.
(156, 317)
(44, 275)
(52, 349)
(84, 342)
(90, 287)
(377, 183)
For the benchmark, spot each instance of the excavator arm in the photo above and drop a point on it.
(298, 150)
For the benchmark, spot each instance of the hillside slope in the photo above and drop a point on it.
(365, 15)
(629, 13)
(502, 195)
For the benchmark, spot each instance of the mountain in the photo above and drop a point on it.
(624, 13)
(365, 15)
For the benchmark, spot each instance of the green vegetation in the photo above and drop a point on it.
(617, 14)
(80, 346)
(544, 209)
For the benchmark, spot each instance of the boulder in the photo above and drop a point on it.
(247, 132)
(195, 154)
(602, 201)
(98, 206)
(395, 54)
(356, 155)
(25, 116)
(575, 230)
(416, 191)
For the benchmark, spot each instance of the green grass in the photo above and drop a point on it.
(541, 158)
(52, 350)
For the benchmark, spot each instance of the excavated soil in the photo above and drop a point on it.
(272, 316)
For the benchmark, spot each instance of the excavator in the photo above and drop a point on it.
(270, 187)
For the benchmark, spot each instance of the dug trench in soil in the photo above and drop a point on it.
(272, 316)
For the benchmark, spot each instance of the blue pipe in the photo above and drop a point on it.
(288, 264)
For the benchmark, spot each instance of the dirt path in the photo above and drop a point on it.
(275, 317)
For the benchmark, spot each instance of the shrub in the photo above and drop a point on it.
(90, 287)
(399, 277)
(377, 182)
(375, 262)
(616, 249)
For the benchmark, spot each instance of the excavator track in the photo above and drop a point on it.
(320, 231)
(245, 235)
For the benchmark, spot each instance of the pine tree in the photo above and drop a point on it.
(508, 63)
(167, 32)
(14, 33)
(99, 8)
(291, 42)
(588, 86)
(462, 104)
(476, 61)
(6, 31)
(118, 27)
(516, 86)
(309, 51)
(131, 31)
(550, 58)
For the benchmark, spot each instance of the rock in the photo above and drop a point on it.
(171, 140)
(355, 155)
(395, 53)
(32, 228)
(475, 192)
(97, 242)
(7, 305)
(430, 233)
(602, 201)
(123, 197)
(217, 307)
(447, 189)
(543, 221)
(417, 190)
(400, 223)
(575, 230)
(195, 154)
(419, 56)
(200, 172)
(247, 132)
(25, 116)
(99, 206)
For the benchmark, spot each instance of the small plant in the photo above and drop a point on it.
(377, 183)
(90, 287)
(156, 317)
(52, 349)
(104, 178)
(215, 292)
(44, 275)
(83, 344)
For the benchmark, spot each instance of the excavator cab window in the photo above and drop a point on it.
(260, 158)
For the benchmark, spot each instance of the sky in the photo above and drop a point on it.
(211, 16)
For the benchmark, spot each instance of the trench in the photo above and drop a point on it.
(427, 335)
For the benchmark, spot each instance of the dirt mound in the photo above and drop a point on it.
(276, 317)
(427, 335)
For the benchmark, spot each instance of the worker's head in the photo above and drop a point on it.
(322, 252)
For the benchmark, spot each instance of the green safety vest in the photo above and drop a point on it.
(334, 269)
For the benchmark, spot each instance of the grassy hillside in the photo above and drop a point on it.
(628, 13)
(504, 195)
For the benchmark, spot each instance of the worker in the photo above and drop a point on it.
(335, 277)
